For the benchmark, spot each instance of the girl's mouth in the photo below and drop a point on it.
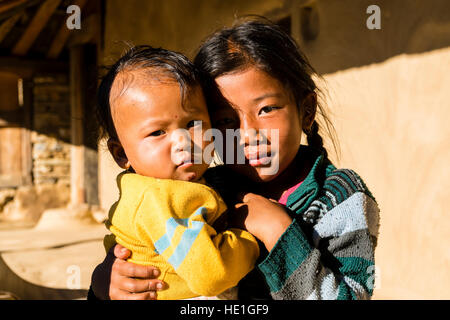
(258, 158)
(260, 161)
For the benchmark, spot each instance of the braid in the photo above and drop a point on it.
(314, 139)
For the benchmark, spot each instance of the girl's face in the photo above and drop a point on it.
(255, 100)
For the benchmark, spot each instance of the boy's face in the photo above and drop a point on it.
(148, 118)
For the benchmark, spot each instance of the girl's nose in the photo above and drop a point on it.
(249, 131)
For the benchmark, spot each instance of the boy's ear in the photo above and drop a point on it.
(118, 153)
(309, 108)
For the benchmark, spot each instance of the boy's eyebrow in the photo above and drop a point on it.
(267, 95)
(149, 122)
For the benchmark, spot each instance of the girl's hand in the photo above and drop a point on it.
(126, 281)
(265, 219)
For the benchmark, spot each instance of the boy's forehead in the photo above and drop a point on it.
(156, 99)
(125, 80)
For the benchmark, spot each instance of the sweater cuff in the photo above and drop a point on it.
(286, 256)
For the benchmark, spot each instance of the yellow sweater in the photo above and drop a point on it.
(167, 224)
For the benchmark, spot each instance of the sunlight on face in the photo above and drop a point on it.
(148, 118)
(259, 103)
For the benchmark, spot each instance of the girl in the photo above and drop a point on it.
(322, 247)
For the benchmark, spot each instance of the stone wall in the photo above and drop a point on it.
(51, 130)
(50, 141)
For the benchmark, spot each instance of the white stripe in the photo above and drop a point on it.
(332, 198)
(359, 290)
(358, 212)
(328, 286)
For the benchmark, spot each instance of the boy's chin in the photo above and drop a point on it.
(192, 173)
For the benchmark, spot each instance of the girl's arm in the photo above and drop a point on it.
(208, 261)
(117, 279)
(330, 259)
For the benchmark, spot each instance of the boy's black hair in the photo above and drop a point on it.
(157, 61)
(256, 41)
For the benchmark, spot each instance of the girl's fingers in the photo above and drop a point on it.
(121, 252)
(131, 270)
(140, 286)
(118, 294)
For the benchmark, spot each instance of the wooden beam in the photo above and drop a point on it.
(36, 25)
(9, 5)
(77, 149)
(6, 26)
(62, 36)
(19, 7)
(25, 68)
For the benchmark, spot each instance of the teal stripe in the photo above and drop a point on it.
(345, 176)
(339, 193)
(286, 256)
(345, 293)
(327, 202)
(357, 269)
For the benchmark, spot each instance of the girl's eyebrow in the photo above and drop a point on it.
(267, 95)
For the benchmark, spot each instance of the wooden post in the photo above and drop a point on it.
(77, 92)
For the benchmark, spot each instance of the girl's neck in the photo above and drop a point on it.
(296, 171)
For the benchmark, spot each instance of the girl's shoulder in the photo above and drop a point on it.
(342, 190)
(343, 183)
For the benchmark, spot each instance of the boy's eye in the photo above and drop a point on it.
(267, 109)
(156, 133)
(194, 123)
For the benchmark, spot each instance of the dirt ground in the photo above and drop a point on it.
(53, 260)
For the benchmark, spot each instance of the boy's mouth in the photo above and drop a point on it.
(188, 161)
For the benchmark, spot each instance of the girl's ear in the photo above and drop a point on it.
(309, 108)
(118, 153)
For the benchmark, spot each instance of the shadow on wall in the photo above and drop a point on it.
(344, 41)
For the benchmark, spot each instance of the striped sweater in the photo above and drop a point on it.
(328, 250)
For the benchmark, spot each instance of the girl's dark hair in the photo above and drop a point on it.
(154, 62)
(261, 43)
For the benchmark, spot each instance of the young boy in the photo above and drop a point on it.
(150, 104)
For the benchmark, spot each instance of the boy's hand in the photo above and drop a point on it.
(265, 219)
(125, 280)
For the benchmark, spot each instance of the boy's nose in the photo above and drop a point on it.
(181, 140)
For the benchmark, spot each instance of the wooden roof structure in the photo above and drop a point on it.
(37, 29)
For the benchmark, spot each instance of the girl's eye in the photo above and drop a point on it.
(156, 133)
(267, 109)
(194, 123)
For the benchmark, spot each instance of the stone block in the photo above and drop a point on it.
(30, 201)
